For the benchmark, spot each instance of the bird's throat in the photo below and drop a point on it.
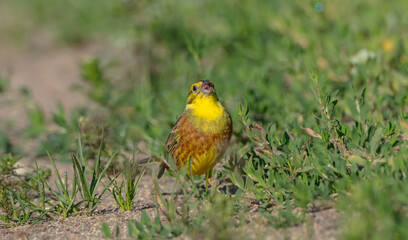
(206, 107)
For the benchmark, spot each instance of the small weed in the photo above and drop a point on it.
(148, 228)
(22, 210)
(61, 200)
(4, 84)
(129, 185)
(15, 197)
(7, 165)
(90, 193)
(107, 233)
(145, 228)
(37, 122)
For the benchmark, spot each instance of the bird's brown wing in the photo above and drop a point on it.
(172, 139)
(171, 143)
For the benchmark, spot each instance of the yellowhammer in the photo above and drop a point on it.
(202, 132)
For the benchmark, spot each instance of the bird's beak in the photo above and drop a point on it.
(207, 88)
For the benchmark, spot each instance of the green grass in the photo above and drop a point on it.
(125, 192)
(62, 200)
(91, 195)
(17, 202)
(317, 100)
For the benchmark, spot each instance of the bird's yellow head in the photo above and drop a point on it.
(203, 101)
(201, 89)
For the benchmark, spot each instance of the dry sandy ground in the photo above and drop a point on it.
(49, 73)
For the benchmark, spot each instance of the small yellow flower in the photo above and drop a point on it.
(387, 45)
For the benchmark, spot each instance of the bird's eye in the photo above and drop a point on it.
(194, 88)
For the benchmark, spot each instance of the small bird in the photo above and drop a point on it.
(202, 132)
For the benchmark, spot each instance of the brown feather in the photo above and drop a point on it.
(185, 141)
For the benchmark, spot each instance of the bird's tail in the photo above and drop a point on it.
(162, 168)
(163, 163)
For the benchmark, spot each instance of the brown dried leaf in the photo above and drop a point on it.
(404, 126)
(257, 126)
(311, 132)
(263, 150)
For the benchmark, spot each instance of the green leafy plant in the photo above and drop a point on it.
(107, 233)
(146, 228)
(376, 209)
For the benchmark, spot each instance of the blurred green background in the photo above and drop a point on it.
(260, 54)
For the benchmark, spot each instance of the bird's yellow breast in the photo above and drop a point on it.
(206, 107)
(208, 115)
